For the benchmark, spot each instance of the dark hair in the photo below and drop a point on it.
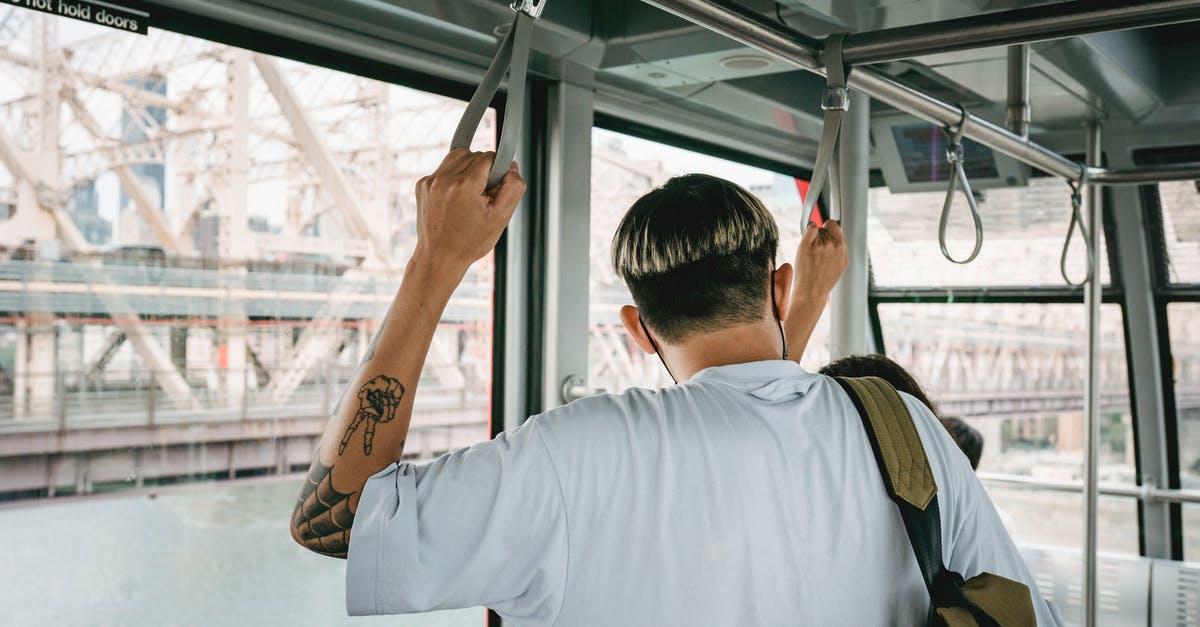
(696, 254)
(968, 438)
(882, 367)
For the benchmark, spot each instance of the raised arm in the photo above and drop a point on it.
(457, 224)
(820, 261)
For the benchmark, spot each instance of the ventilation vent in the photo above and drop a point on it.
(1122, 585)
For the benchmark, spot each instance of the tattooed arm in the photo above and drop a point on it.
(457, 224)
(820, 262)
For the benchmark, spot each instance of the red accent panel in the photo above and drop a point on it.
(802, 187)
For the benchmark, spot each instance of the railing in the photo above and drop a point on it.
(155, 288)
(75, 399)
(1142, 492)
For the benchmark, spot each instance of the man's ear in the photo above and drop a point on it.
(633, 326)
(783, 290)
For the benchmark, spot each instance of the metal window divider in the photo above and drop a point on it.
(512, 57)
(954, 154)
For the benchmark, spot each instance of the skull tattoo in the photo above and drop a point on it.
(377, 402)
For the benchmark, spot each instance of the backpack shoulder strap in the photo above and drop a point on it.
(904, 467)
(909, 481)
(894, 437)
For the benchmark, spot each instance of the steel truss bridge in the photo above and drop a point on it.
(263, 216)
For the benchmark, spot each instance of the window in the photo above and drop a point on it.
(1184, 321)
(1181, 228)
(623, 169)
(1023, 233)
(196, 244)
(1016, 373)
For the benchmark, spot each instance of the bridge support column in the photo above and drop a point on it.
(34, 370)
(232, 361)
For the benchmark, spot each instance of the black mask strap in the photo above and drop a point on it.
(775, 310)
(656, 349)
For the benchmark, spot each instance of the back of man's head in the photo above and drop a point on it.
(697, 255)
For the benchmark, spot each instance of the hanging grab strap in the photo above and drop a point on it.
(954, 154)
(1077, 219)
(514, 54)
(835, 102)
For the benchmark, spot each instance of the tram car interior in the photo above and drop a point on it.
(206, 206)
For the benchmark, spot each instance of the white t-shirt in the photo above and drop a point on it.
(746, 496)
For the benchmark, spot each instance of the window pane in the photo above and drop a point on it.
(623, 169)
(1191, 532)
(1059, 519)
(1181, 228)
(1016, 373)
(1023, 233)
(1184, 320)
(195, 256)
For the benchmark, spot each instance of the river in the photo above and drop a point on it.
(212, 554)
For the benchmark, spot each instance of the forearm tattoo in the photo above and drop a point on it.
(368, 356)
(322, 518)
(378, 400)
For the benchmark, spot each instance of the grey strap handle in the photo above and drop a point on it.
(835, 101)
(513, 58)
(1077, 219)
(954, 154)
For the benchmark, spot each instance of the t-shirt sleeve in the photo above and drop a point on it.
(974, 539)
(485, 525)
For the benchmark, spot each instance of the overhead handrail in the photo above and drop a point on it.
(512, 57)
(955, 155)
(1077, 219)
(835, 101)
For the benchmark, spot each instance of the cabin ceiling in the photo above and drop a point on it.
(659, 68)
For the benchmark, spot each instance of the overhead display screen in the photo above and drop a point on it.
(922, 150)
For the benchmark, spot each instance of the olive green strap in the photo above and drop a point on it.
(900, 448)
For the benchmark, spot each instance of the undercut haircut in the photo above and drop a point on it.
(697, 255)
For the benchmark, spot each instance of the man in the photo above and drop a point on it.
(745, 495)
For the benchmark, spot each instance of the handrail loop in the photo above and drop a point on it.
(835, 101)
(1077, 219)
(532, 8)
(511, 57)
(954, 154)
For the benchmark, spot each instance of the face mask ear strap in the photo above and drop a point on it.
(778, 318)
(657, 351)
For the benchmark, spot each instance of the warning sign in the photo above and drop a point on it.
(94, 11)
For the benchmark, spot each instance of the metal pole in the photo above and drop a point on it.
(1018, 115)
(1091, 401)
(1004, 28)
(848, 309)
(1143, 175)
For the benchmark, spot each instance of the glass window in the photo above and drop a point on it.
(1191, 532)
(1016, 373)
(1181, 228)
(196, 245)
(1184, 321)
(623, 169)
(1023, 233)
